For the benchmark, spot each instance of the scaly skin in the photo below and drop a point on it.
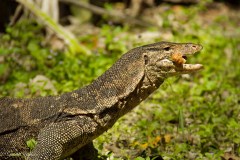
(64, 124)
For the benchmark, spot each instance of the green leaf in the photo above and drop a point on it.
(181, 119)
(139, 158)
(31, 143)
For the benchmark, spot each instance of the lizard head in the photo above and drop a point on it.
(166, 59)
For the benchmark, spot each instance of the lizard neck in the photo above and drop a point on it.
(115, 84)
(142, 91)
(109, 116)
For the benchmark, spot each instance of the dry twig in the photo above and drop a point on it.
(119, 16)
(60, 31)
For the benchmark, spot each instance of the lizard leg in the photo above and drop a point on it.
(60, 139)
(87, 152)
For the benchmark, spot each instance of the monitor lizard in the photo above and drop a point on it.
(64, 124)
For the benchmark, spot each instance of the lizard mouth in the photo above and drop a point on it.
(180, 63)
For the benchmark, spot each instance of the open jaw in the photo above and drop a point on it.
(180, 60)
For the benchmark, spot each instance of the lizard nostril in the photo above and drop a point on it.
(167, 48)
(194, 46)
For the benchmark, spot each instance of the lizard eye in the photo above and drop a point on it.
(166, 48)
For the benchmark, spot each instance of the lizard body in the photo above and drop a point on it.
(64, 124)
